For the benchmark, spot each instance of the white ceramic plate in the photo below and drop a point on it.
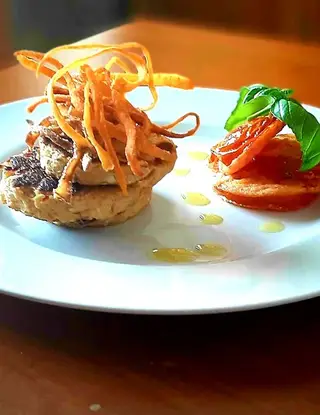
(109, 269)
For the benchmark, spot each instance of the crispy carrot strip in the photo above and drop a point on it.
(121, 178)
(31, 65)
(97, 98)
(64, 189)
(147, 147)
(115, 60)
(159, 130)
(182, 118)
(136, 59)
(31, 139)
(103, 76)
(159, 79)
(73, 91)
(130, 128)
(102, 154)
(59, 98)
(103, 131)
(37, 56)
(139, 117)
(60, 90)
(65, 127)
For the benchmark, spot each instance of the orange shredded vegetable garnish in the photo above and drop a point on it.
(87, 120)
(59, 98)
(97, 99)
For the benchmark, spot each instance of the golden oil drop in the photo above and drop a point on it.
(198, 155)
(211, 219)
(212, 250)
(174, 255)
(272, 227)
(181, 172)
(196, 199)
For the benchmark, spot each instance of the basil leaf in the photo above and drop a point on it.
(250, 103)
(287, 92)
(242, 94)
(297, 102)
(253, 92)
(252, 109)
(306, 128)
(276, 93)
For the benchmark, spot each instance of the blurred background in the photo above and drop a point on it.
(42, 24)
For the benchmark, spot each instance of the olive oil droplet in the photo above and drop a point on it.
(212, 250)
(272, 227)
(174, 255)
(211, 219)
(198, 155)
(196, 199)
(181, 172)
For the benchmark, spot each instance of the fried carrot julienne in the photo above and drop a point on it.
(87, 119)
(159, 79)
(97, 98)
(59, 98)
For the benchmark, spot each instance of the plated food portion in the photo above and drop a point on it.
(255, 166)
(95, 159)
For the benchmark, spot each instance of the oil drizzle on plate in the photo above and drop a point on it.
(202, 252)
(198, 155)
(196, 199)
(174, 255)
(211, 219)
(181, 172)
(272, 227)
(212, 250)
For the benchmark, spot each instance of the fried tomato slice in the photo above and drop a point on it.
(243, 144)
(272, 181)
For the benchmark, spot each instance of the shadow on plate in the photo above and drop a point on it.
(306, 215)
(159, 225)
(126, 243)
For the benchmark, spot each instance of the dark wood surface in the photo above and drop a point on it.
(60, 361)
(211, 58)
(56, 361)
(288, 19)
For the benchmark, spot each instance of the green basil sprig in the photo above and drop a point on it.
(260, 100)
(306, 128)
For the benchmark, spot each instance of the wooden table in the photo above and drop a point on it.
(56, 361)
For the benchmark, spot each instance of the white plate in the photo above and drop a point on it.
(110, 270)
